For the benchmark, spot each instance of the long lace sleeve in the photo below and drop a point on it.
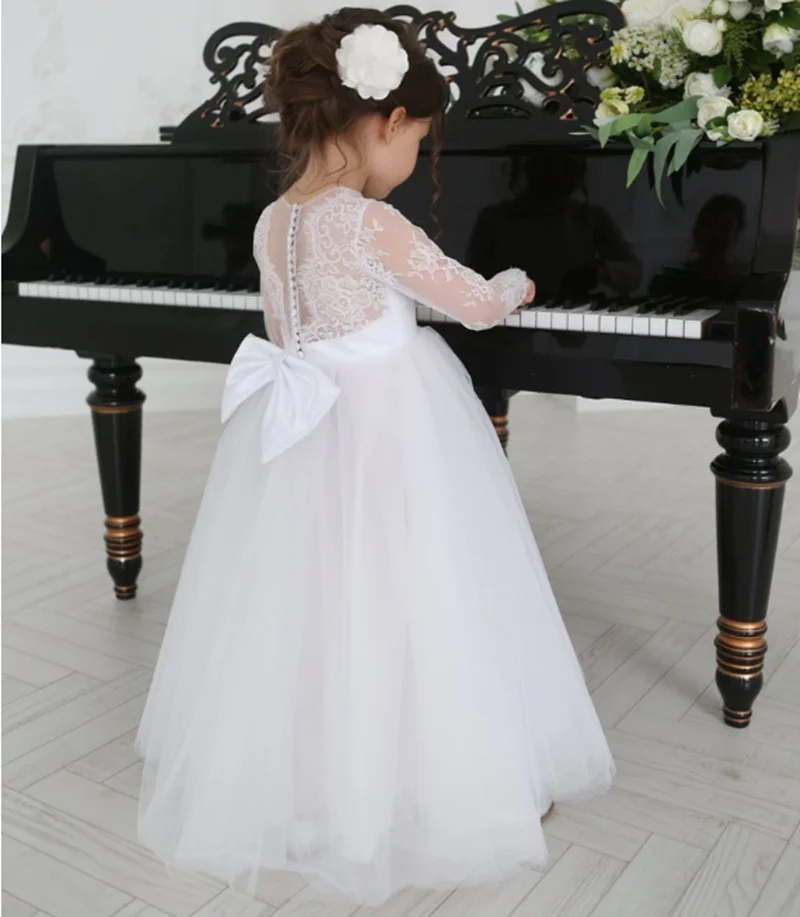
(404, 257)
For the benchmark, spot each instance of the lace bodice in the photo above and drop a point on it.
(326, 266)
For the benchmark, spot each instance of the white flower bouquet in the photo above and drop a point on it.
(684, 70)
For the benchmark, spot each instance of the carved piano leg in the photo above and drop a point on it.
(116, 406)
(496, 401)
(751, 478)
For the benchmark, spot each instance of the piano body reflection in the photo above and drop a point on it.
(120, 252)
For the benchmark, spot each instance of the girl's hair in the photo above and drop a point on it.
(314, 106)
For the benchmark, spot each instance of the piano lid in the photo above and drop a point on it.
(531, 73)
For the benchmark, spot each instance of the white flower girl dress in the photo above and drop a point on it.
(365, 677)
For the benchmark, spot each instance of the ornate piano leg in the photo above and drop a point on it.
(496, 401)
(116, 406)
(751, 478)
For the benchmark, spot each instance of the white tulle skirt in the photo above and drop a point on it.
(365, 677)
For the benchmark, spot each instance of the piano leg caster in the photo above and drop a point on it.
(496, 402)
(116, 406)
(751, 478)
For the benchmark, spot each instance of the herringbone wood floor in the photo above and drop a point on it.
(702, 822)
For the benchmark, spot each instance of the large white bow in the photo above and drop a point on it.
(302, 394)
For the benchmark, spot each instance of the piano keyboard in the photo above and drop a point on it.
(670, 317)
(196, 295)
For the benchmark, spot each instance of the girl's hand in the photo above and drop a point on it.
(529, 296)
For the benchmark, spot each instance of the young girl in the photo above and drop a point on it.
(365, 677)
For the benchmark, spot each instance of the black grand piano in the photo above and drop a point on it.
(120, 252)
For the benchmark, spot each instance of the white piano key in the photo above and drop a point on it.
(624, 321)
(558, 319)
(576, 317)
(674, 327)
(641, 326)
(528, 318)
(214, 300)
(608, 323)
(591, 322)
(658, 326)
(513, 321)
(694, 323)
(544, 319)
(90, 292)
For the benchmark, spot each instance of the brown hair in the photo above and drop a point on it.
(314, 106)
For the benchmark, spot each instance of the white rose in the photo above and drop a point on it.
(720, 7)
(601, 77)
(774, 6)
(372, 61)
(779, 40)
(745, 125)
(702, 84)
(643, 12)
(710, 108)
(678, 14)
(703, 38)
(739, 9)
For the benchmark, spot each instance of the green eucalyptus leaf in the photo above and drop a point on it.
(625, 123)
(685, 110)
(637, 160)
(663, 148)
(687, 141)
(503, 17)
(520, 11)
(641, 143)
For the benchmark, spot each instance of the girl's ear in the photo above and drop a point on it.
(394, 122)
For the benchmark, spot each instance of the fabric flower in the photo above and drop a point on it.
(774, 6)
(643, 12)
(739, 9)
(634, 95)
(778, 39)
(703, 84)
(703, 38)
(710, 108)
(745, 125)
(372, 61)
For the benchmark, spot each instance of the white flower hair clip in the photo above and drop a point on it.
(372, 61)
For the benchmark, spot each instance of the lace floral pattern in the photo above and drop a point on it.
(348, 250)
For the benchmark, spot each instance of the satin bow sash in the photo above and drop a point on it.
(302, 394)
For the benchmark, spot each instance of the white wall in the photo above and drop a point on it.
(94, 71)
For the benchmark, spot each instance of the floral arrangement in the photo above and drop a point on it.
(682, 70)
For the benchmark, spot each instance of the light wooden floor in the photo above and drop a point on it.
(702, 822)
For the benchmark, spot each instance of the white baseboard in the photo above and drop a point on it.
(598, 405)
(38, 382)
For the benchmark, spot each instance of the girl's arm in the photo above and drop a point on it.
(403, 256)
